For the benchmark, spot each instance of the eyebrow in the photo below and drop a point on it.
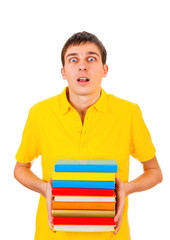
(75, 54)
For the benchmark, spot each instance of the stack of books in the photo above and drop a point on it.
(84, 195)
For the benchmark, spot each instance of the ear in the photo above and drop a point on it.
(105, 70)
(63, 73)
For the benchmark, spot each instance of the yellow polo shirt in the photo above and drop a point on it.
(113, 129)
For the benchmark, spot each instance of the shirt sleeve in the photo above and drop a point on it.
(141, 146)
(29, 148)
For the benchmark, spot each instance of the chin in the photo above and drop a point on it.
(84, 92)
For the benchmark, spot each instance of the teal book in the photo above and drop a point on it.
(83, 165)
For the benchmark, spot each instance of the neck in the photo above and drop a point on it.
(82, 102)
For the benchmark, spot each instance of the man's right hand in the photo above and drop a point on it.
(26, 177)
(49, 199)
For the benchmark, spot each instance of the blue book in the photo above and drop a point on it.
(83, 165)
(83, 184)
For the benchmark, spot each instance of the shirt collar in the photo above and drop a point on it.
(65, 106)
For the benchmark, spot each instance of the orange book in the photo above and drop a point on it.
(84, 205)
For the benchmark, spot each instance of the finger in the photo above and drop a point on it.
(53, 229)
(49, 207)
(116, 218)
(118, 224)
(116, 230)
(51, 226)
(120, 207)
(117, 180)
(118, 215)
(51, 180)
(50, 223)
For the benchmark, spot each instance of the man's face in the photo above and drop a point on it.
(84, 69)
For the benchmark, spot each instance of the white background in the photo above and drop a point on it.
(136, 35)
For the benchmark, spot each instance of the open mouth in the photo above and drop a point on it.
(83, 79)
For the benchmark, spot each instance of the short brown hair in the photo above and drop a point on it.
(83, 37)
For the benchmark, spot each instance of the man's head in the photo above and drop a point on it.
(84, 64)
(82, 38)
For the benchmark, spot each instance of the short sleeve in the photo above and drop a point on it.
(29, 148)
(141, 146)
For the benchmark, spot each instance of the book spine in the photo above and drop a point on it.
(82, 192)
(83, 199)
(84, 205)
(86, 168)
(82, 213)
(83, 221)
(84, 228)
(83, 176)
(84, 184)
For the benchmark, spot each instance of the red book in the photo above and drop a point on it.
(82, 192)
(83, 221)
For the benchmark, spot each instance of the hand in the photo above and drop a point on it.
(120, 203)
(49, 199)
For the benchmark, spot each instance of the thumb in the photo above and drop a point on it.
(117, 180)
(51, 181)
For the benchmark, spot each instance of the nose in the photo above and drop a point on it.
(82, 66)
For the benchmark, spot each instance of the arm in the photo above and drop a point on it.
(152, 176)
(26, 177)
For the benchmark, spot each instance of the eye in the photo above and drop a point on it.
(91, 59)
(73, 60)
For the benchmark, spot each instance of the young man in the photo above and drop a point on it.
(84, 122)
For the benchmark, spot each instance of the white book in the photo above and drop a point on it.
(83, 228)
(83, 199)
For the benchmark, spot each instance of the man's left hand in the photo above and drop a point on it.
(120, 195)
